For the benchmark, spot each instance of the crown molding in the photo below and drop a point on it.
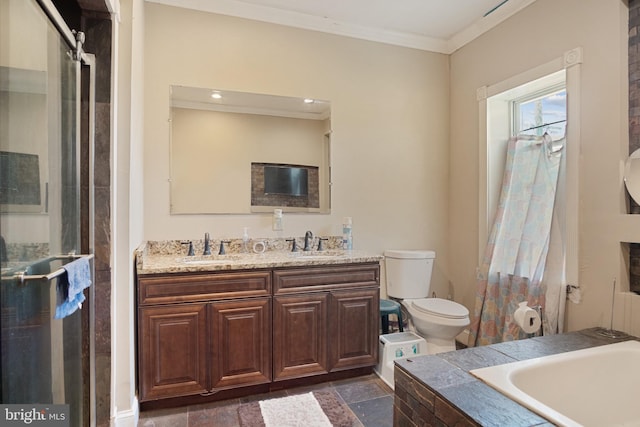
(486, 23)
(346, 29)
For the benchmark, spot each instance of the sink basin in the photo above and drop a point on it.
(208, 260)
(318, 255)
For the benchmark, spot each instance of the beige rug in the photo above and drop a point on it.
(316, 409)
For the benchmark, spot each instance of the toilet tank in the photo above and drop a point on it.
(408, 273)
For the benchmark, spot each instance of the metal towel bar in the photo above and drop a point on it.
(22, 278)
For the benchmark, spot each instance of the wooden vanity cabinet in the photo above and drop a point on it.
(300, 335)
(354, 322)
(201, 333)
(173, 350)
(240, 344)
(325, 319)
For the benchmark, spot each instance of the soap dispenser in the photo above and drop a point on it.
(245, 240)
(277, 220)
(347, 233)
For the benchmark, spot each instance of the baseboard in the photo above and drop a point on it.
(128, 418)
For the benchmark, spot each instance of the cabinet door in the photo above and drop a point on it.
(240, 342)
(172, 354)
(299, 335)
(353, 321)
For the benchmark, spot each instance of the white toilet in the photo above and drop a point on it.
(437, 320)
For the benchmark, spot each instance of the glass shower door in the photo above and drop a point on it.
(41, 357)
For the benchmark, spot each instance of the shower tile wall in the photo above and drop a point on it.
(634, 75)
(98, 30)
(634, 126)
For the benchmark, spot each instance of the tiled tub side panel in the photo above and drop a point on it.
(416, 405)
(437, 390)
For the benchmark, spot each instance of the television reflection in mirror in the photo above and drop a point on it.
(286, 180)
(285, 186)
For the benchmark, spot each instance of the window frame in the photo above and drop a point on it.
(570, 63)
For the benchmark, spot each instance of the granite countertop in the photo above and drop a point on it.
(443, 385)
(170, 256)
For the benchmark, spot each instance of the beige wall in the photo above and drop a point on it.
(541, 33)
(390, 118)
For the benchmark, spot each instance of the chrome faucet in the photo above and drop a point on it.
(308, 237)
(207, 245)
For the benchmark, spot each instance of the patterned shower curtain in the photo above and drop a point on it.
(515, 256)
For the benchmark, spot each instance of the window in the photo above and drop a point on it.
(541, 111)
(509, 112)
(539, 95)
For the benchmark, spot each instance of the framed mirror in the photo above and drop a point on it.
(225, 144)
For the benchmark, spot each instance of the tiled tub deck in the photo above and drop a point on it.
(438, 390)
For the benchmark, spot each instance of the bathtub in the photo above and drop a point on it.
(592, 387)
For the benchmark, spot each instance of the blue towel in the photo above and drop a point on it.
(76, 278)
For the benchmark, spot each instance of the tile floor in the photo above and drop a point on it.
(368, 397)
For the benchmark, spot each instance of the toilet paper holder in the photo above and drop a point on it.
(529, 319)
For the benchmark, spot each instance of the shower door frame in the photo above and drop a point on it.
(86, 69)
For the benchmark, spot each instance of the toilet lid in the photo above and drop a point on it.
(441, 307)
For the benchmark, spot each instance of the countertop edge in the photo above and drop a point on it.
(170, 264)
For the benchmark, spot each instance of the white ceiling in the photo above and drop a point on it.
(433, 25)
